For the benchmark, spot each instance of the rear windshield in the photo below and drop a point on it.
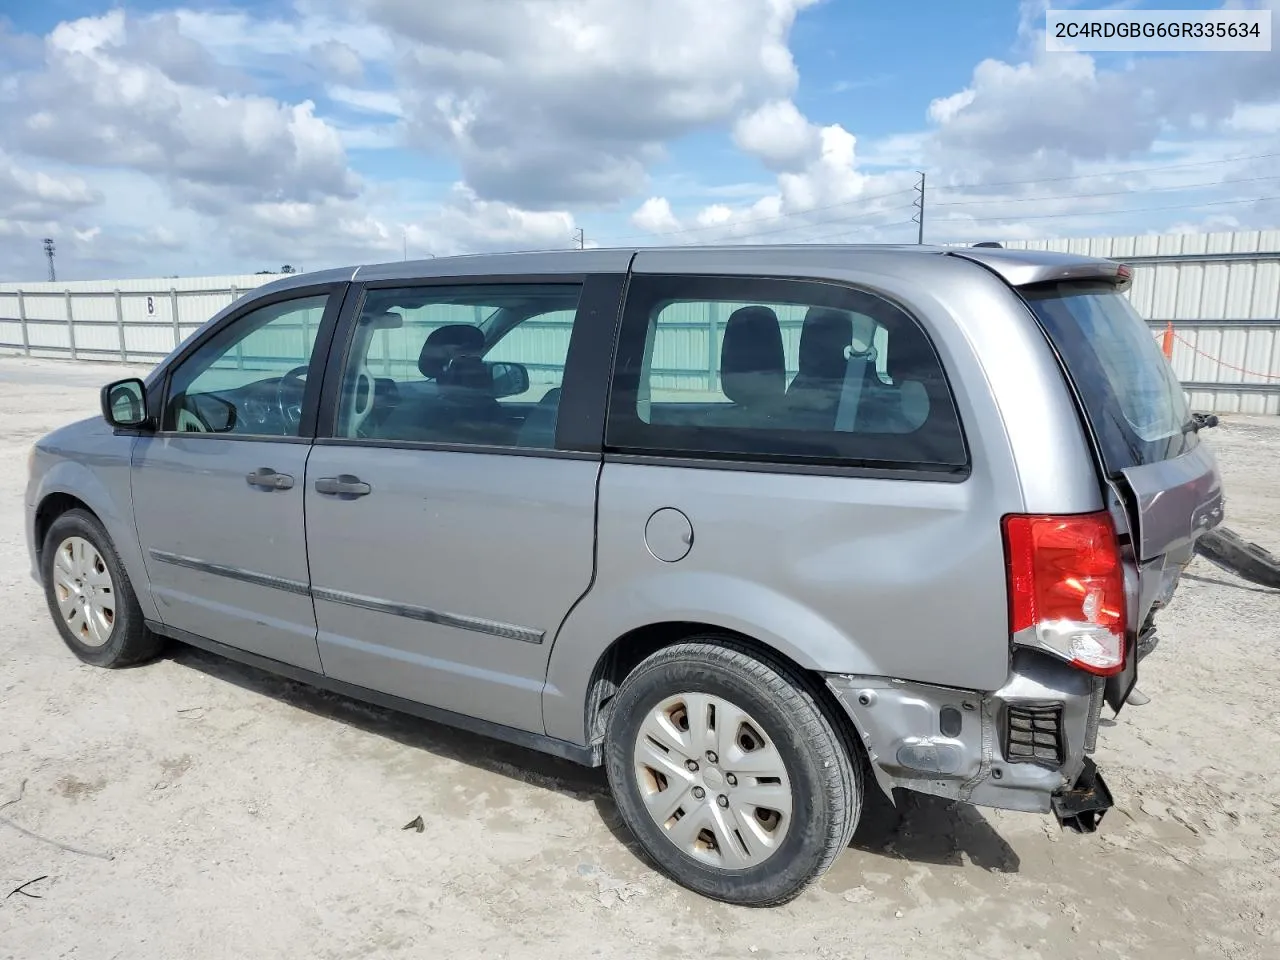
(1131, 395)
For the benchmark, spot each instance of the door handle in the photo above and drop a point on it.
(268, 479)
(344, 485)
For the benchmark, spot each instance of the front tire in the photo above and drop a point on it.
(89, 594)
(728, 770)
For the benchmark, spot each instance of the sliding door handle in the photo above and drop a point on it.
(268, 479)
(343, 485)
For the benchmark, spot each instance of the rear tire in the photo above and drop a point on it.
(90, 597)
(777, 790)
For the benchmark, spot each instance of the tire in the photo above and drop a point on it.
(781, 853)
(112, 633)
(1229, 550)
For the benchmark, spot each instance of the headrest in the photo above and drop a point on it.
(467, 373)
(910, 356)
(444, 344)
(823, 339)
(753, 365)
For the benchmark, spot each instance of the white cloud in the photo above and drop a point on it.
(777, 133)
(465, 223)
(217, 139)
(827, 192)
(1067, 107)
(1255, 118)
(339, 59)
(1064, 124)
(95, 104)
(244, 40)
(384, 102)
(944, 109)
(1070, 124)
(655, 216)
(553, 102)
(203, 175)
(34, 195)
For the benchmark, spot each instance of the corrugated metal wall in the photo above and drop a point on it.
(1220, 291)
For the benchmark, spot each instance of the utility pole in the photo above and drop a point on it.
(48, 252)
(918, 203)
(581, 238)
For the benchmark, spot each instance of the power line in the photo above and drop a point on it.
(768, 219)
(855, 218)
(1107, 213)
(850, 224)
(866, 226)
(1113, 193)
(915, 205)
(1121, 173)
(1004, 183)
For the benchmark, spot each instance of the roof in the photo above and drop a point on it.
(1017, 267)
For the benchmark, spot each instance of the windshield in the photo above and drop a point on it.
(1130, 393)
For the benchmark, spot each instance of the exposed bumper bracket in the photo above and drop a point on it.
(1082, 807)
(950, 742)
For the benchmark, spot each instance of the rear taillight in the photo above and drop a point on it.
(1066, 588)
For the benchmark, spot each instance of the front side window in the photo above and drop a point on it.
(475, 364)
(249, 378)
(780, 370)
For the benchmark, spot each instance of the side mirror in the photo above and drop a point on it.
(509, 379)
(124, 403)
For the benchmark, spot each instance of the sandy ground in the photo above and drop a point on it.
(220, 812)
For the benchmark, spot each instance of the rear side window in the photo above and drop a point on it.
(1132, 397)
(780, 370)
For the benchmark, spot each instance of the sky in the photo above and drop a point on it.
(150, 139)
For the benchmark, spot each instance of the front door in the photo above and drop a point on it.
(451, 512)
(219, 487)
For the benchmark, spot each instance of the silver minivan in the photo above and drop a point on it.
(760, 530)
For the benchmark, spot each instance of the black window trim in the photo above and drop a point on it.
(808, 467)
(775, 463)
(337, 292)
(587, 371)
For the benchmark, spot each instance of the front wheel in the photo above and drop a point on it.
(90, 597)
(730, 773)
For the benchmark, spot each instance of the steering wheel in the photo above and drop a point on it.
(292, 410)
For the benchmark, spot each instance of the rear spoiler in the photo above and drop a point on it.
(1022, 268)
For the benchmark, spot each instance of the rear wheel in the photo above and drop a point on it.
(729, 772)
(89, 594)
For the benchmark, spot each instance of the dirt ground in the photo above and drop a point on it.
(218, 812)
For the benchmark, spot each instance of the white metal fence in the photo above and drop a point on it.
(136, 321)
(1220, 292)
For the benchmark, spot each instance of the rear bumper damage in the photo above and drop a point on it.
(1081, 807)
(1023, 747)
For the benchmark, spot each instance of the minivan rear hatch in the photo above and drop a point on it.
(1147, 441)
(1162, 481)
